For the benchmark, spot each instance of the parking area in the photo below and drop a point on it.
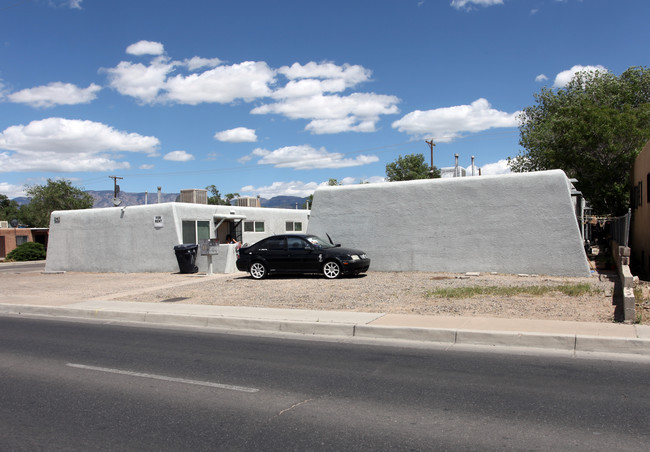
(389, 292)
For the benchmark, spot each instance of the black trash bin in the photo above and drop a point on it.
(186, 257)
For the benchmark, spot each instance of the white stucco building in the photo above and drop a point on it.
(142, 238)
(516, 223)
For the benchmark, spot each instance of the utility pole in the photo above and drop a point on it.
(431, 145)
(116, 190)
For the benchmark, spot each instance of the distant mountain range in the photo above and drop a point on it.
(104, 198)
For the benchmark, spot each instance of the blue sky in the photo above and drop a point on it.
(265, 97)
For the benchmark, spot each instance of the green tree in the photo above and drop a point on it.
(214, 197)
(54, 195)
(410, 167)
(9, 208)
(308, 202)
(593, 129)
(230, 197)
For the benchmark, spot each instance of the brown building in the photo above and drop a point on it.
(10, 238)
(640, 230)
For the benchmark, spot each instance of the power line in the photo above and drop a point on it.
(14, 5)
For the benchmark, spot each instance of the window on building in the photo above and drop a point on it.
(20, 239)
(194, 231)
(293, 226)
(253, 226)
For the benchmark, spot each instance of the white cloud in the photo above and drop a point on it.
(468, 4)
(140, 81)
(374, 179)
(12, 191)
(58, 144)
(178, 156)
(305, 96)
(306, 157)
(308, 93)
(219, 84)
(541, 78)
(195, 63)
(298, 188)
(358, 112)
(237, 135)
(146, 166)
(72, 4)
(351, 75)
(292, 188)
(56, 93)
(248, 81)
(145, 48)
(564, 77)
(493, 169)
(447, 124)
(310, 87)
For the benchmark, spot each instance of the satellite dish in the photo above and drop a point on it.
(13, 223)
(117, 202)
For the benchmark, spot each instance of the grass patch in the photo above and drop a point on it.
(572, 290)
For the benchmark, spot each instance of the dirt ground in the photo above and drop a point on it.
(388, 292)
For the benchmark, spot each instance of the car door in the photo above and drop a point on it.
(274, 251)
(303, 257)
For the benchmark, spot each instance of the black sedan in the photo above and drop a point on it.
(299, 253)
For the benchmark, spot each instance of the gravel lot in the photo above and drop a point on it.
(393, 292)
(388, 292)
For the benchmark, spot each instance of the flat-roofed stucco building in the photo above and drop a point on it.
(516, 223)
(142, 238)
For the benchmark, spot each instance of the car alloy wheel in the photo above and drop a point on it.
(258, 270)
(331, 269)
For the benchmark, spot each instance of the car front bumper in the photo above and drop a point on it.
(356, 266)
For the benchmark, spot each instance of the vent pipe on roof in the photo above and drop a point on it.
(159, 194)
(473, 168)
(456, 171)
(146, 195)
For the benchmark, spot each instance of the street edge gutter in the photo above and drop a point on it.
(448, 336)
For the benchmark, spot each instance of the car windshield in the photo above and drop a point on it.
(318, 242)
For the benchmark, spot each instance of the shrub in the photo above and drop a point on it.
(28, 251)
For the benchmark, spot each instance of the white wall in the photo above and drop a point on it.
(517, 223)
(126, 239)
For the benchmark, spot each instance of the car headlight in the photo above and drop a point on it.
(354, 257)
(363, 256)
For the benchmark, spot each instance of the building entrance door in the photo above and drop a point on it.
(2, 247)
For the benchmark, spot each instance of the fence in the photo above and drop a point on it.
(621, 228)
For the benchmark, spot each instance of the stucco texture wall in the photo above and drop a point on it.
(640, 231)
(517, 223)
(113, 240)
(127, 240)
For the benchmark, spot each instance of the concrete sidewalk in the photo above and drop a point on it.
(571, 337)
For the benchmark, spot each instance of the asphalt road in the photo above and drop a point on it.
(22, 267)
(84, 386)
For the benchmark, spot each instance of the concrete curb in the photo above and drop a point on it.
(452, 336)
